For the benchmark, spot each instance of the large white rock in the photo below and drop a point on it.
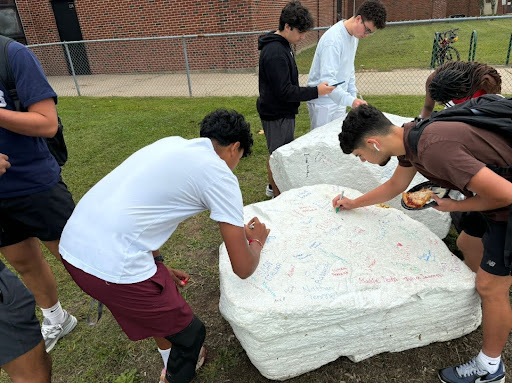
(354, 283)
(316, 158)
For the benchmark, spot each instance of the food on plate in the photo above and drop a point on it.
(417, 199)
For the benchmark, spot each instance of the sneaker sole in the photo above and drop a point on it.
(502, 380)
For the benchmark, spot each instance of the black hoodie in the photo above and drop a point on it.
(280, 93)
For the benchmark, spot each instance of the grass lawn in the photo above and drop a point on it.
(412, 44)
(101, 133)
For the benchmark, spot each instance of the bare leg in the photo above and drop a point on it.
(472, 248)
(162, 343)
(53, 246)
(35, 366)
(497, 314)
(271, 179)
(27, 258)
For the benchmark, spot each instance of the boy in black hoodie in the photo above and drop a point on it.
(280, 93)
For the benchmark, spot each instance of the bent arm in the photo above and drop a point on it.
(492, 192)
(428, 107)
(280, 79)
(331, 72)
(244, 257)
(39, 121)
(401, 178)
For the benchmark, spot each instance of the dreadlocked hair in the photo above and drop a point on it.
(459, 79)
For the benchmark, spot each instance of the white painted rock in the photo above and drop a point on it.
(354, 283)
(316, 158)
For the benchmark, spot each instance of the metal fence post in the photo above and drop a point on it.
(187, 67)
(472, 46)
(435, 49)
(72, 68)
(507, 61)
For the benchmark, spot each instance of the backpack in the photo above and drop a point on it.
(489, 111)
(56, 144)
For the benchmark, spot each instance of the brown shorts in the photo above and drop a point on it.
(151, 308)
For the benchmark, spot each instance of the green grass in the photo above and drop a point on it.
(410, 46)
(101, 133)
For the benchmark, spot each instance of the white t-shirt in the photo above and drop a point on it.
(334, 62)
(135, 208)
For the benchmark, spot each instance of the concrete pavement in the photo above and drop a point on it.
(405, 82)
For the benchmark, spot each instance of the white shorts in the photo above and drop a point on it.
(321, 114)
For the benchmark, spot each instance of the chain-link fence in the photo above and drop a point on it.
(226, 64)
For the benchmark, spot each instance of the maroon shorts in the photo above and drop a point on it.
(151, 308)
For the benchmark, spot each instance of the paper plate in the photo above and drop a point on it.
(440, 191)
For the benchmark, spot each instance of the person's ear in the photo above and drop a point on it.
(374, 142)
(235, 147)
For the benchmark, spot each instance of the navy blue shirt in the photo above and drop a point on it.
(33, 168)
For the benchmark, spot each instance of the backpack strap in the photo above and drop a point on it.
(490, 112)
(6, 75)
(415, 133)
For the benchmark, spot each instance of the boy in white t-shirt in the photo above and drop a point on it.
(110, 245)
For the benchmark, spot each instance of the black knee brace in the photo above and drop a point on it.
(181, 366)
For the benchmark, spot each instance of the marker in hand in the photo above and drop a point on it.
(338, 83)
(341, 197)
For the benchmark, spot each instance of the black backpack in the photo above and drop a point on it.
(490, 112)
(56, 144)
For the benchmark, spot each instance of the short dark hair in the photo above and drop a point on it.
(227, 127)
(374, 11)
(360, 123)
(459, 79)
(296, 16)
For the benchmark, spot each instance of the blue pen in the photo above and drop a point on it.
(339, 83)
(341, 197)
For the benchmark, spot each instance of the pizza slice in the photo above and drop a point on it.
(417, 199)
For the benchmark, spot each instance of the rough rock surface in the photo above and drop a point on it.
(354, 283)
(316, 158)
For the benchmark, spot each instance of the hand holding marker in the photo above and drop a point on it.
(341, 197)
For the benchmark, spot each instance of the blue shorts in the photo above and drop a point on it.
(19, 327)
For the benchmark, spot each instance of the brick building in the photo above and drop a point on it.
(43, 21)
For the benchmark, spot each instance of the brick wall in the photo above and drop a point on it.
(146, 18)
(39, 27)
(457, 7)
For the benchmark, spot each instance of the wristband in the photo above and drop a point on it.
(159, 258)
(251, 240)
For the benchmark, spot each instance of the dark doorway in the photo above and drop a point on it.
(69, 30)
(10, 23)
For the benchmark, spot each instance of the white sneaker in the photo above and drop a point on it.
(269, 192)
(53, 332)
